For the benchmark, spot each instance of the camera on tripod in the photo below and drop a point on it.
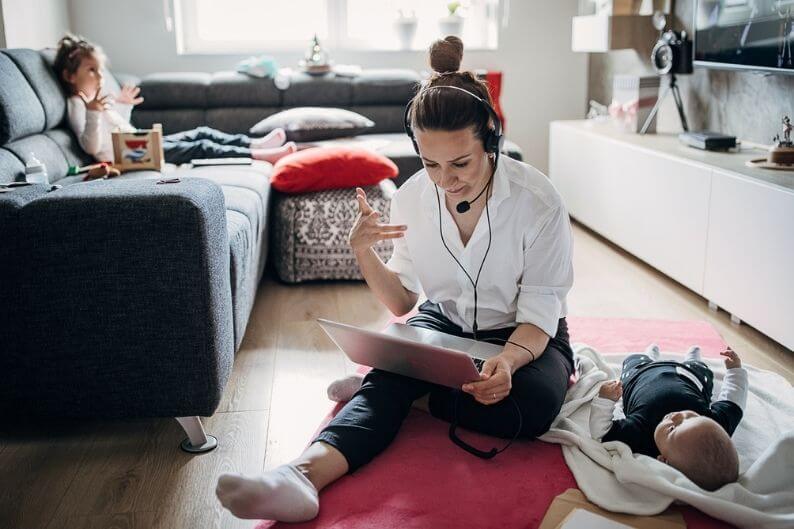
(671, 55)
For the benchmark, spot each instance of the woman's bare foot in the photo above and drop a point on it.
(274, 155)
(275, 138)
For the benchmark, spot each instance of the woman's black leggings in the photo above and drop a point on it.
(367, 424)
(204, 142)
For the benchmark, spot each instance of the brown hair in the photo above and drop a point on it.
(712, 462)
(450, 109)
(72, 49)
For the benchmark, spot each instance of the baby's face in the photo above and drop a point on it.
(676, 430)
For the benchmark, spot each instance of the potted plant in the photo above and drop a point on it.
(405, 26)
(452, 24)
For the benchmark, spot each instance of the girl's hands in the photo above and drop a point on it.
(129, 95)
(366, 230)
(98, 103)
(496, 381)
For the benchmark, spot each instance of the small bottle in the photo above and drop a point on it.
(35, 171)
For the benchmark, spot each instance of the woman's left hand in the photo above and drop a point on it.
(129, 95)
(496, 380)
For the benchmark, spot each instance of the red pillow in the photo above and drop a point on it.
(320, 168)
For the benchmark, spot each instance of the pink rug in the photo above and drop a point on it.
(424, 481)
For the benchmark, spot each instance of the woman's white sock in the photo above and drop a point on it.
(283, 494)
(343, 389)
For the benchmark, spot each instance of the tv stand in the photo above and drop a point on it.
(723, 230)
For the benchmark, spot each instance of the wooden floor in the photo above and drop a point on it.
(132, 475)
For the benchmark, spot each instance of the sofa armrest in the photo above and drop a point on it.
(125, 302)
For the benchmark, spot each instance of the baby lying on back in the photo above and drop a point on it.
(668, 414)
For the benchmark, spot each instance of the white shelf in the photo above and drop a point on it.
(600, 33)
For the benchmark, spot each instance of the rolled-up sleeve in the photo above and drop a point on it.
(400, 261)
(548, 273)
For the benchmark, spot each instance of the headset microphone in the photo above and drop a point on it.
(465, 206)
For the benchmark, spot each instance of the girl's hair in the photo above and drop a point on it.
(450, 109)
(72, 49)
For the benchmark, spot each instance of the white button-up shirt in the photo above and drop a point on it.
(528, 270)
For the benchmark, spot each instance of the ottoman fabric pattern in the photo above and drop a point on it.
(310, 232)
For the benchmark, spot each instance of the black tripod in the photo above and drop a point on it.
(672, 87)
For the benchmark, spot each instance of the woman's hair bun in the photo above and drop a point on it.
(446, 54)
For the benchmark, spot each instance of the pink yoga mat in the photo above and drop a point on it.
(423, 481)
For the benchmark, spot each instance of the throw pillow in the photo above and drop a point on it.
(323, 168)
(314, 124)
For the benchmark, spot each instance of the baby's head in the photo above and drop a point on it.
(698, 447)
(78, 65)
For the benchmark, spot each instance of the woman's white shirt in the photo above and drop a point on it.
(93, 128)
(528, 270)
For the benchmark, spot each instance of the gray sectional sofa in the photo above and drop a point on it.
(128, 297)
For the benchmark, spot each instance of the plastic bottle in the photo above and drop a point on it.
(36, 172)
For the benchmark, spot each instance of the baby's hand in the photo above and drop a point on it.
(99, 103)
(611, 390)
(732, 360)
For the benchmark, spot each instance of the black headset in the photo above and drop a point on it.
(493, 142)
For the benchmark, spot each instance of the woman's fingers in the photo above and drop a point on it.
(392, 227)
(83, 96)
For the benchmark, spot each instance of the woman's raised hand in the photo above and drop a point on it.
(366, 230)
(98, 102)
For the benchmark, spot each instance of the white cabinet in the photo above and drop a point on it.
(694, 216)
(658, 211)
(750, 255)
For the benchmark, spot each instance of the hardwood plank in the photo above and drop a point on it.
(137, 466)
(37, 466)
(306, 362)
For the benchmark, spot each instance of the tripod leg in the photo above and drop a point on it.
(680, 104)
(654, 111)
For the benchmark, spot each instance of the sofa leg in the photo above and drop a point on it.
(197, 440)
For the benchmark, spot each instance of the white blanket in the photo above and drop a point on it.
(615, 479)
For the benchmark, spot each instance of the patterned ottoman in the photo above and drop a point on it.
(309, 233)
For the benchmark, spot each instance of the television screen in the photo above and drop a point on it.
(754, 34)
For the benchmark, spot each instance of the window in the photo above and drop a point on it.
(255, 26)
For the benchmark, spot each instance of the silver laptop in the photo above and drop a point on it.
(419, 353)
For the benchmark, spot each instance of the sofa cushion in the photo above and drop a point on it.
(175, 90)
(387, 118)
(329, 90)
(238, 120)
(173, 120)
(232, 89)
(42, 79)
(381, 87)
(21, 112)
(314, 123)
(69, 146)
(11, 168)
(45, 150)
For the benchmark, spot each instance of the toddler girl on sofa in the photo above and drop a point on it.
(94, 114)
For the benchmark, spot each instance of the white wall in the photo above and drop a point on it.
(34, 23)
(543, 79)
